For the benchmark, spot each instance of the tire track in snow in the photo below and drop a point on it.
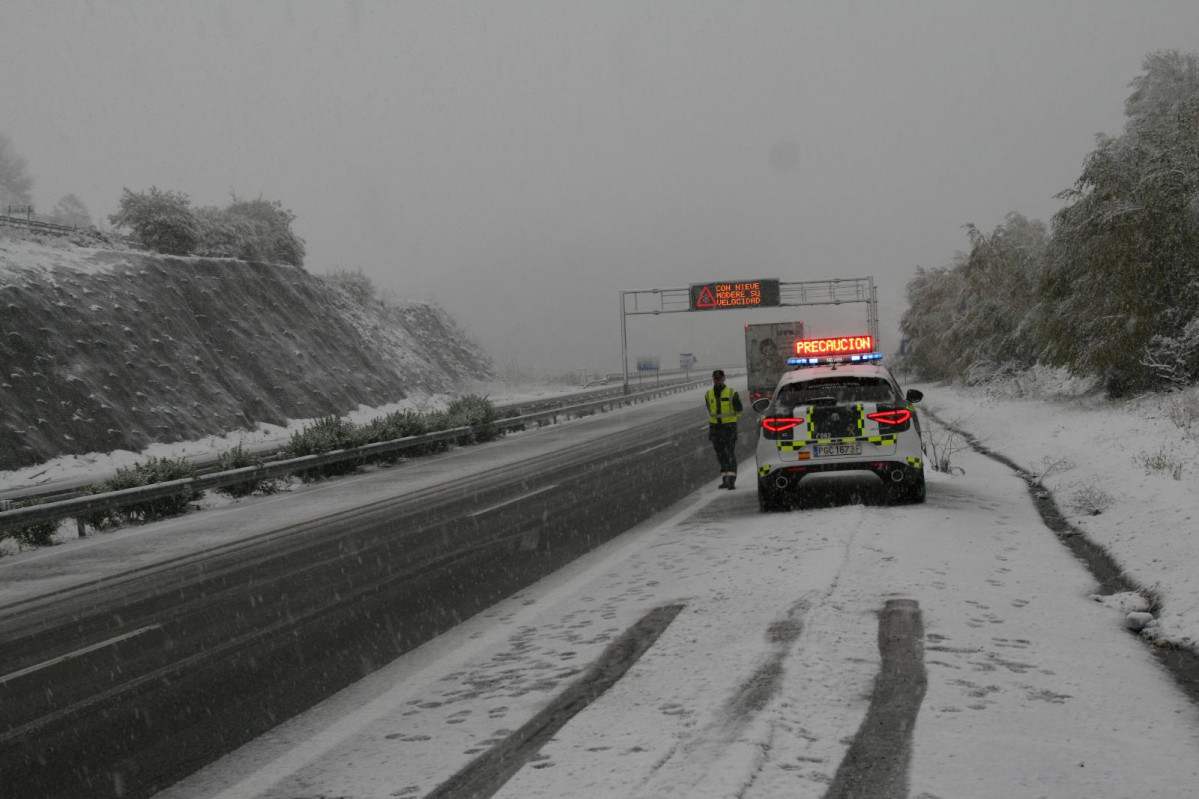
(876, 765)
(486, 774)
(687, 765)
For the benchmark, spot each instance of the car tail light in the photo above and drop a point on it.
(778, 424)
(894, 417)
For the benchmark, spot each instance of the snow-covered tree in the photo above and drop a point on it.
(933, 296)
(999, 307)
(255, 230)
(220, 235)
(71, 211)
(158, 220)
(979, 316)
(16, 187)
(274, 240)
(1123, 265)
(1174, 359)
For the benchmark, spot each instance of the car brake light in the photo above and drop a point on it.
(777, 424)
(891, 417)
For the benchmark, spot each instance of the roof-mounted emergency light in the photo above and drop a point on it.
(827, 359)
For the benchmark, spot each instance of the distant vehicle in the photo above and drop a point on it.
(768, 345)
(839, 411)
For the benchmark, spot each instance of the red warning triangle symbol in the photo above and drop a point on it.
(706, 300)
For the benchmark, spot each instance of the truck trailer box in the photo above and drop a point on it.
(768, 345)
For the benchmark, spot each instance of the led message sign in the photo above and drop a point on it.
(834, 346)
(734, 294)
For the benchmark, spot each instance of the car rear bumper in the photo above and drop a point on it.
(890, 472)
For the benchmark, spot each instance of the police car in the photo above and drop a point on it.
(838, 412)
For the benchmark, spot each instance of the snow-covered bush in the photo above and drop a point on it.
(1183, 410)
(155, 470)
(1050, 466)
(1090, 500)
(402, 424)
(356, 284)
(476, 412)
(324, 435)
(254, 230)
(31, 535)
(161, 221)
(240, 458)
(944, 444)
(220, 235)
(1166, 459)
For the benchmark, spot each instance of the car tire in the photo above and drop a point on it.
(909, 491)
(768, 500)
(916, 489)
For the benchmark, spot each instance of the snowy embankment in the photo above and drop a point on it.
(105, 349)
(1124, 472)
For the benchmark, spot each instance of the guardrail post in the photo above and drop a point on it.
(81, 526)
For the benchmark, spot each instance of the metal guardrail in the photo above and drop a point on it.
(206, 463)
(664, 372)
(78, 506)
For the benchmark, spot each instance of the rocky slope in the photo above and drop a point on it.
(104, 349)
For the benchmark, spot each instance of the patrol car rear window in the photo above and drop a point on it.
(840, 389)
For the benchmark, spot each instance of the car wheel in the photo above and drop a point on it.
(768, 500)
(915, 491)
(910, 490)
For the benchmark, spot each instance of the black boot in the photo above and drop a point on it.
(730, 481)
(724, 481)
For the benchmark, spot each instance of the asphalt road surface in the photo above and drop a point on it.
(121, 685)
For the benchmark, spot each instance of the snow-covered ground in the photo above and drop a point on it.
(1034, 688)
(1125, 472)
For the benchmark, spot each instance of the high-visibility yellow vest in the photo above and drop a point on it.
(720, 411)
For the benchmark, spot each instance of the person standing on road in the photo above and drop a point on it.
(724, 409)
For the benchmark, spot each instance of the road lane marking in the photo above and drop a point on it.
(510, 501)
(77, 653)
(659, 446)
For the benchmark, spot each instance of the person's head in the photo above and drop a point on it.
(718, 377)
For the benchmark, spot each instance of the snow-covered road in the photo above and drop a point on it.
(1033, 688)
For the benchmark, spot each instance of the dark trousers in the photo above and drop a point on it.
(724, 440)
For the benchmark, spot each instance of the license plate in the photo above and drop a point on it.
(848, 448)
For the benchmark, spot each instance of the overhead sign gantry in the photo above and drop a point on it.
(739, 294)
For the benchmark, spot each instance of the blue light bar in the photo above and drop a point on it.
(799, 363)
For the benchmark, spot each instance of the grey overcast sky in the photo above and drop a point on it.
(522, 162)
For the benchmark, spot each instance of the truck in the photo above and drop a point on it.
(768, 345)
